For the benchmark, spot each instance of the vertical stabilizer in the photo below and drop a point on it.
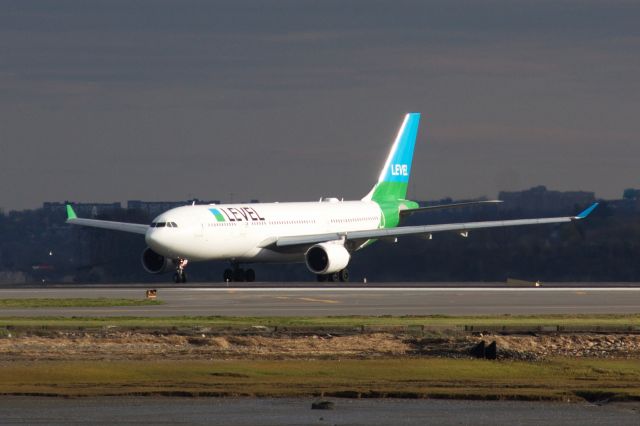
(394, 177)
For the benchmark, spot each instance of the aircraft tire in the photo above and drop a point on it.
(180, 278)
(344, 275)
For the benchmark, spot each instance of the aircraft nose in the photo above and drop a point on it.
(156, 239)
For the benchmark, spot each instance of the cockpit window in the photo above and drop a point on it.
(163, 224)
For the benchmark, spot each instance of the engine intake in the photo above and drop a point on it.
(327, 258)
(155, 263)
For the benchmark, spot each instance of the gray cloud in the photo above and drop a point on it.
(294, 100)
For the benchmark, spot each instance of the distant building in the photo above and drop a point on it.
(81, 209)
(154, 208)
(631, 194)
(540, 199)
(624, 206)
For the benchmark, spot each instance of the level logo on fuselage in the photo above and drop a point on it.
(236, 214)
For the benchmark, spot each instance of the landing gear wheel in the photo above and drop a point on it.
(227, 276)
(238, 275)
(334, 278)
(344, 275)
(180, 276)
(249, 275)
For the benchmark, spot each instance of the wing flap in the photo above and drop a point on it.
(308, 239)
(136, 228)
(429, 229)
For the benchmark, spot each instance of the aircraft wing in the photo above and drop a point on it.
(423, 229)
(136, 228)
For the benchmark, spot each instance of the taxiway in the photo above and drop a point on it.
(310, 301)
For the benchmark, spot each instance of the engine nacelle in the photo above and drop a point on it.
(155, 263)
(327, 258)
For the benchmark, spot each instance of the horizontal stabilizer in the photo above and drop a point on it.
(407, 212)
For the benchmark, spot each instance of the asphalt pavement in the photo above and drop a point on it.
(338, 301)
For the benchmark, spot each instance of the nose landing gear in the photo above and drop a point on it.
(180, 277)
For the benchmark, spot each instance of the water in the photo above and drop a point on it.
(287, 411)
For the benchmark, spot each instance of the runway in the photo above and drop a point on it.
(280, 301)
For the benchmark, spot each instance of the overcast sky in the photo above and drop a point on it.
(293, 100)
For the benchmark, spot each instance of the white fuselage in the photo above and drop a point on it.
(246, 232)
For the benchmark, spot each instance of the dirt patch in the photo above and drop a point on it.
(125, 345)
(129, 345)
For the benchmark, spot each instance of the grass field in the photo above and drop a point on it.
(408, 377)
(582, 321)
(558, 379)
(74, 303)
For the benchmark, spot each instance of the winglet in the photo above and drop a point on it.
(70, 213)
(587, 211)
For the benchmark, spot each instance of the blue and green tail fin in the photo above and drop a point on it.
(394, 177)
(390, 191)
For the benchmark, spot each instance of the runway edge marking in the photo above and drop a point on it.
(411, 289)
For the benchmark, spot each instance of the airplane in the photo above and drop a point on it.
(323, 234)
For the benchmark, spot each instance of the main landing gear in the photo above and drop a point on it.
(342, 276)
(180, 277)
(238, 274)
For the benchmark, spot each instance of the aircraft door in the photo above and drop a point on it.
(198, 230)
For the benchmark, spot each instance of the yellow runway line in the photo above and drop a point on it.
(309, 299)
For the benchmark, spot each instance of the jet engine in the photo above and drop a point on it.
(327, 258)
(155, 263)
